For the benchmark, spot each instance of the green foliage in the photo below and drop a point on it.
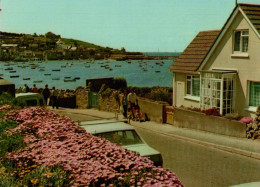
(119, 83)
(46, 176)
(154, 93)
(159, 94)
(232, 116)
(79, 43)
(52, 36)
(9, 143)
(105, 91)
(6, 98)
(33, 176)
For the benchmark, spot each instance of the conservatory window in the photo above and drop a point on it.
(254, 94)
(241, 41)
(193, 85)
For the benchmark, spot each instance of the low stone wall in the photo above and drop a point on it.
(253, 129)
(153, 110)
(200, 121)
(82, 97)
(109, 104)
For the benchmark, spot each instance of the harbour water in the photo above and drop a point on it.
(62, 74)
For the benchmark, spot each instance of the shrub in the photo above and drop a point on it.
(246, 120)
(7, 99)
(119, 83)
(212, 111)
(233, 116)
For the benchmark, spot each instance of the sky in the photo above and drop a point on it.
(136, 25)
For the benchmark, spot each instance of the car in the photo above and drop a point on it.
(250, 184)
(122, 134)
(29, 99)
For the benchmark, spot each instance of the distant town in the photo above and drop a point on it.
(50, 46)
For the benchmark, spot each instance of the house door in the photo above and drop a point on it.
(93, 100)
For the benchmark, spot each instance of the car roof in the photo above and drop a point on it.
(101, 126)
(26, 94)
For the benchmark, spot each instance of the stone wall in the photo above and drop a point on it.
(82, 97)
(253, 129)
(200, 121)
(109, 103)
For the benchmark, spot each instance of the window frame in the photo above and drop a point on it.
(249, 94)
(240, 51)
(190, 80)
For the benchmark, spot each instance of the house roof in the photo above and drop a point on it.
(192, 57)
(252, 11)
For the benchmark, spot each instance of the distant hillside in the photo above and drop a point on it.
(80, 43)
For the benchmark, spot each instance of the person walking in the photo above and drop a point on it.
(132, 99)
(54, 96)
(46, 94)
(35, 89)
(125, 104)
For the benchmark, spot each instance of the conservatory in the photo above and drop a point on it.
(218, 90)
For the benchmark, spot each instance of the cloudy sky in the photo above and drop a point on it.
(137, 25)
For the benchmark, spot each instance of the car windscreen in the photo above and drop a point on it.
(125, 137)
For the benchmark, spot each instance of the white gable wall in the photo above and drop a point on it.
(248, 68)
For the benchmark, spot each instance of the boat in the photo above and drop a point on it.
(13, 71)
(39, 81)
(9, 68)
(14, 76)
(129, 62)
(157, 71)
(110, 69)
(69, 80)
(67, 77)
(26, 78)
(55, 78)
(56, 70)
(47, 74)
(77, 78)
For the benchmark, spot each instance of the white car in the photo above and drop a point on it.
(250, 184)
(124, 135)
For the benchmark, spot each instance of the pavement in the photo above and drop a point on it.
(242, 146)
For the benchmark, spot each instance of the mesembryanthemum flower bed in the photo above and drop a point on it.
(55, 140)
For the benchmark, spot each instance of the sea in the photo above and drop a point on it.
(71, 74)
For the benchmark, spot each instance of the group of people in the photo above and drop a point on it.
(50, 95)
(130, 104)
(26, 89)
(47, 94)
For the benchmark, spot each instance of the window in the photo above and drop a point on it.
(254, 94)
(241, 41)
(193, 85)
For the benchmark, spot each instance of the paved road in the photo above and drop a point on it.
(195, 165)
(199, 166)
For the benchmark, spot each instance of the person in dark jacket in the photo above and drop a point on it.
(46, 93)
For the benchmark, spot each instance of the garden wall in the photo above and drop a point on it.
(108, 103)
(154, 110)
(200, 121)
(82, 97)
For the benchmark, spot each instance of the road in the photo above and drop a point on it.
(195, 165)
